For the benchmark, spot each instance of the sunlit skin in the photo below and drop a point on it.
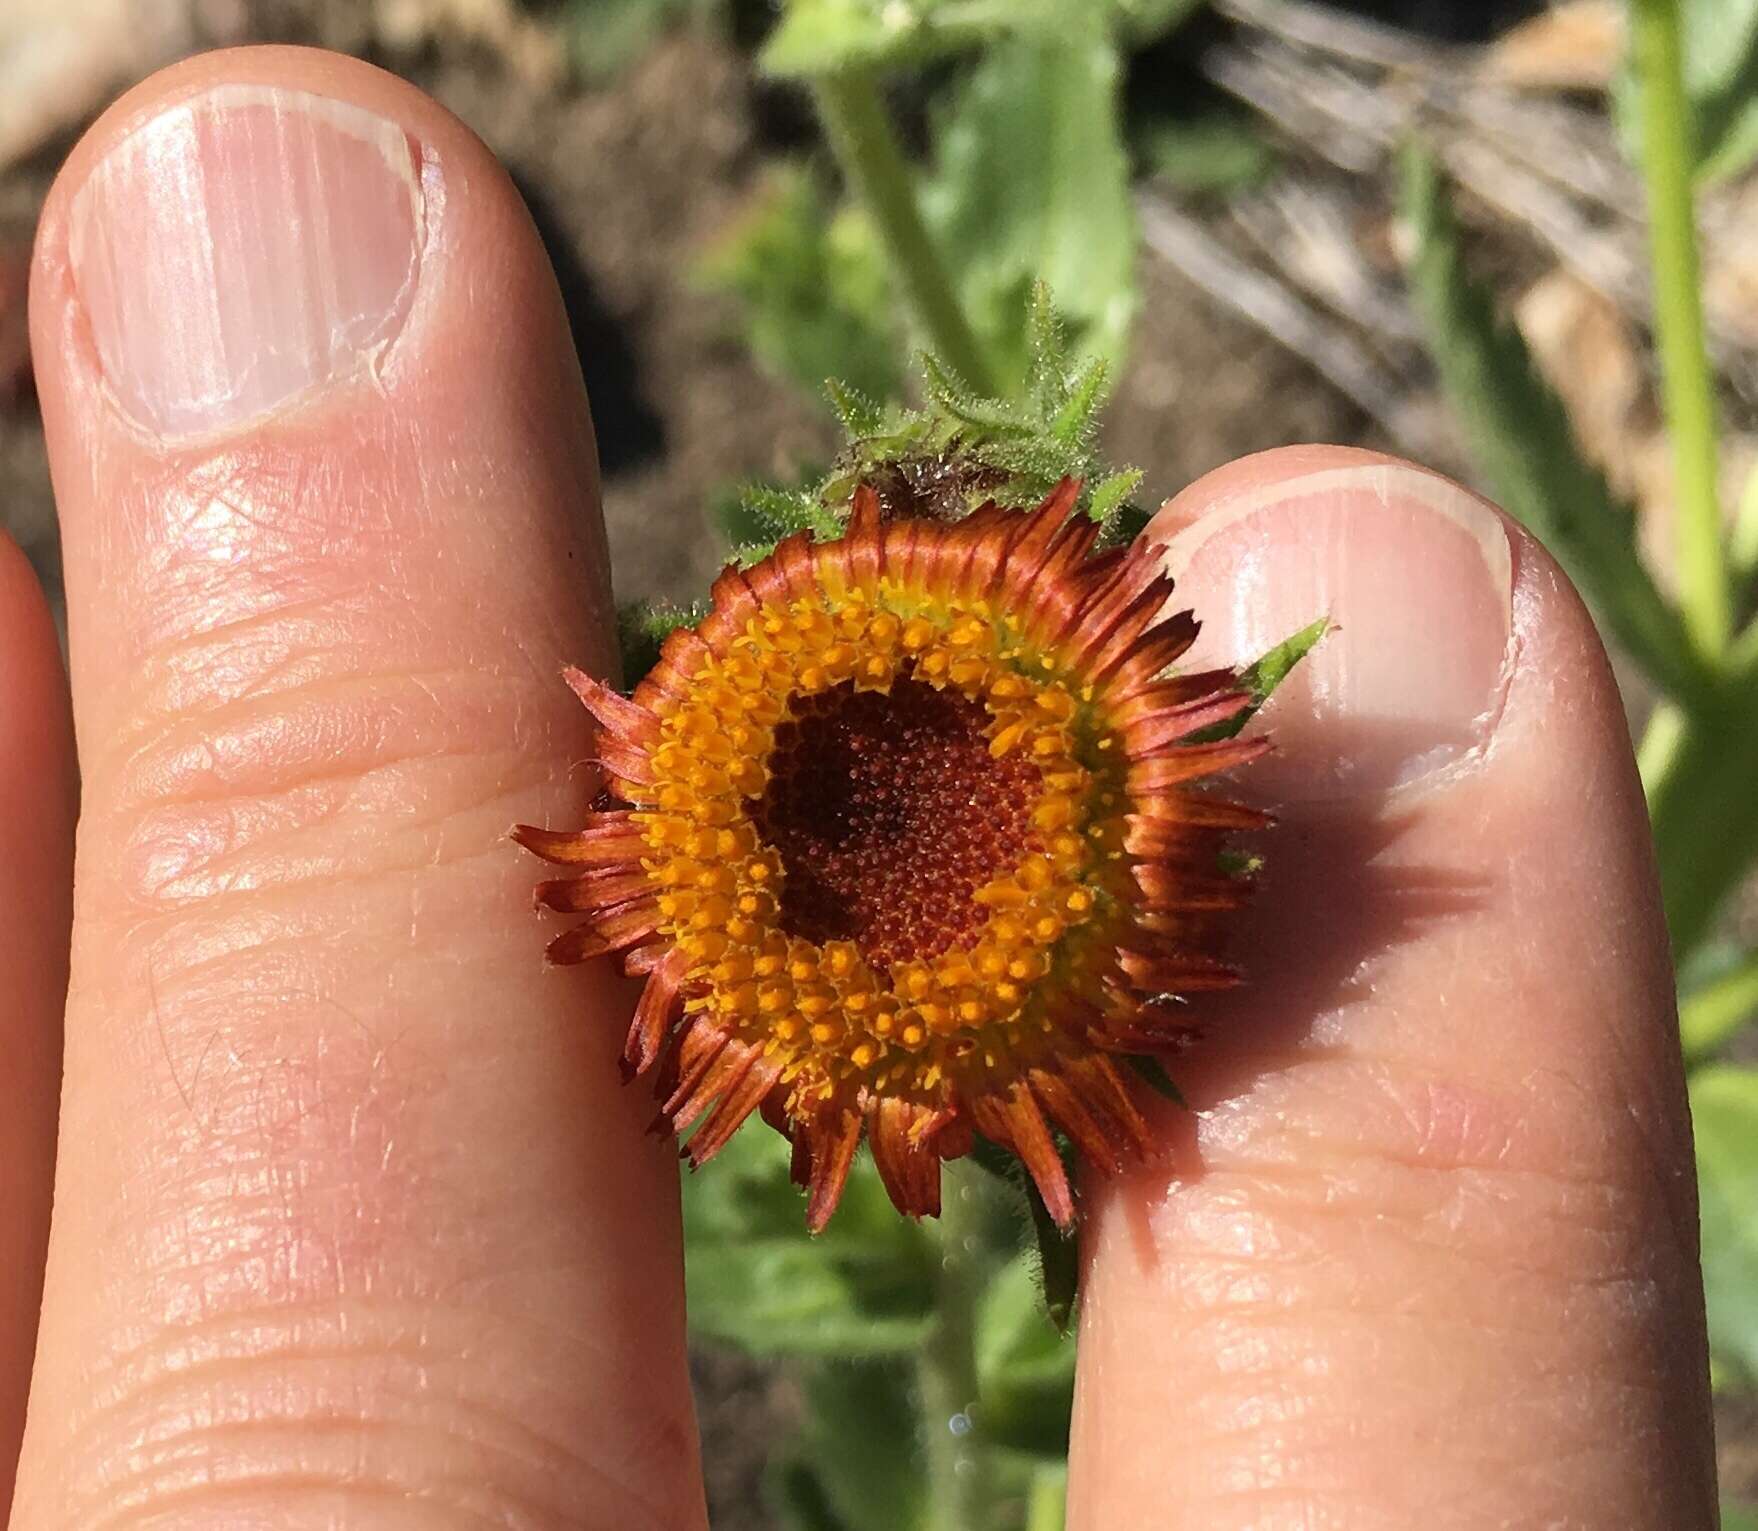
(351, 1203)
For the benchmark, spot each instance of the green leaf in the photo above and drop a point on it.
(1032, 184)
(1718, 998)
(1058, 1261)
(1260, 679)
(606, 37)
(1720, 43)
(1153, 1074)
(754, 1279)
(754, 517)
(1109, 505)
(1025, 1366)
(797, 1496)
(1523, 445)
(859, 415)
(818, 37)
(993, 417)
(1724, 1113)
(1144, 21)
(811, 286)
(1211, 155)
(1047, 1499)
(860, 1437)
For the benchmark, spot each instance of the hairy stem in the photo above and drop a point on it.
(878, 175)
(959, 1492)
(1667, 164)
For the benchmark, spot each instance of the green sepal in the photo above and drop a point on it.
(973, 448)
(1153, 1073)
(1058, 1254)
(1260, 678)
(1058, 1259)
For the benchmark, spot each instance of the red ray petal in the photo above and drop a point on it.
(1123, 670)
(1056, 596)
(865, 542)
(1189, 761)
(625, 762)
(1165, 887)
(905, 1155)
(795, 566)
(1099, 638)
(702, 1086)
(612, 932)
(1037, 538)
(614, 712)
(976, 546)
(740, 1099)
(1170, 691)
(903, 550)
(600, 890)
(1174, 723)
(655, 1012)
(1073, 1116)
(1185, 973)
(864, 513)
(1108, 1095)
(680, 656)
(1015, 1122)
(831, 1141)
(733, 601)
(608, 839)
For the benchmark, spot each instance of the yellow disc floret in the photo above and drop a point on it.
(889, 1001)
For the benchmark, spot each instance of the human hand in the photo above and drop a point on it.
(355, 1224)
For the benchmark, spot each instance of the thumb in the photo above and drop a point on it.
(1425, 1249)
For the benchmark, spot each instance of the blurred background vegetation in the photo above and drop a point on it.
(1420, 226)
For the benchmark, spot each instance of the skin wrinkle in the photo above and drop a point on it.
(266, 1343)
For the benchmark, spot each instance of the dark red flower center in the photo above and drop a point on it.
(889, 813)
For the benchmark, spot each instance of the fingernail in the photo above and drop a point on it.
(244, 249)
(1417, 575)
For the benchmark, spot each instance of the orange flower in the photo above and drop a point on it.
(907, 844)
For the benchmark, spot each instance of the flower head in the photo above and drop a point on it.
(905, 844)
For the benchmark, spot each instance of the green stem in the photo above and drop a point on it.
(1708, 1017)
(878, 175)
(1689, 387)
(959, 1492)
